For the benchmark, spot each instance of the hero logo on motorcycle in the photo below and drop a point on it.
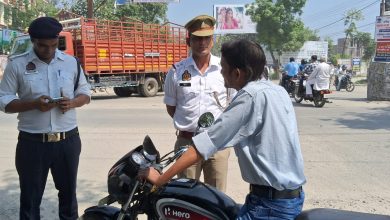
(175, 212)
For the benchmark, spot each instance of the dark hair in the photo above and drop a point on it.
(246, 55)
(292, 59)
(314, 57)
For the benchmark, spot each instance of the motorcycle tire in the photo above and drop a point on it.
(319, 101)
(297, 97)
(350, 86)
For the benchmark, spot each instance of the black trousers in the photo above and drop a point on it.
(33, 162)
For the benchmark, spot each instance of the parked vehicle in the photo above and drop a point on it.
(130, 57)
(318, 95)
(346, 82)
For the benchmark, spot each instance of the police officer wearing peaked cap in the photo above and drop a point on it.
(44, 28)
(195, 86)
(48, 134)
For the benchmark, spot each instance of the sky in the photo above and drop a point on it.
(317, 14)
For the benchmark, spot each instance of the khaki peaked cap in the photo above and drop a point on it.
(202, 25)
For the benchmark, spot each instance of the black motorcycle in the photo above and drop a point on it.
(180, 199)
(318, 95)
(346, 82)
(288, 83)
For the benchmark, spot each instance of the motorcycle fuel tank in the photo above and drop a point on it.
(191, 199)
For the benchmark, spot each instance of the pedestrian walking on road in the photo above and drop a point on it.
(195, 86)
(43, 87)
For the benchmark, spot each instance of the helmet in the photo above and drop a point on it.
(343, 67)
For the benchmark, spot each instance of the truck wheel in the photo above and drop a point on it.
(149, 88)
(123, 91)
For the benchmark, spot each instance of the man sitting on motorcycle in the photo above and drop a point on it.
(319, 78)
(260, 124)
(340, 76)
(291, 70)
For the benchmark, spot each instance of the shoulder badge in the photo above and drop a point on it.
(30, 66)
(186, 76)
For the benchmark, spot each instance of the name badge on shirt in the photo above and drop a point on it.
(185, 79)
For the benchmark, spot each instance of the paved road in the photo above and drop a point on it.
(346, 148)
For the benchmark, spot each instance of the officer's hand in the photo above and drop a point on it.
(66, 104)
(43, 103)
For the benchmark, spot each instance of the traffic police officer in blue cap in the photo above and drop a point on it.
(40, 85)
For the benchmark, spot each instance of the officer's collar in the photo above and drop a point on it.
(33, 56)
(214, 61)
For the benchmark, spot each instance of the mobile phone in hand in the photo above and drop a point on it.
(55, 100)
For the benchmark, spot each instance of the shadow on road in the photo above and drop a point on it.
(375, 120)
(107, 96)
(87, 193)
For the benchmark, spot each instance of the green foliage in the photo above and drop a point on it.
(220, 39)
(278, 26)
(21, 13)
(351, 17)
(104, 9)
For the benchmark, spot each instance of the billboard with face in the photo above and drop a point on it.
(231, 19)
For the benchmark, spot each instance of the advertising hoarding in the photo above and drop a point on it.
(231, 19)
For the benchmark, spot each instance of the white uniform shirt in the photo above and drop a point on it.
(194, 94)
(26, 77)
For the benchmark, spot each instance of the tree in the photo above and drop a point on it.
(278, 26)
(351, 17)
(104, 9)
(365, 43)
(21, 12)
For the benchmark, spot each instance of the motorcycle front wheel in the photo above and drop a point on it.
(350, 86)
(297, 96)
(319, 100)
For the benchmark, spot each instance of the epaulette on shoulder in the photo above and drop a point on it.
(13, 57)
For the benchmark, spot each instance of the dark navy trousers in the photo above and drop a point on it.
(33, 162)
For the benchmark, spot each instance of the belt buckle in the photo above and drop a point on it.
(53, 137)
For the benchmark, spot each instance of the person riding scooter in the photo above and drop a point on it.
(340, 76)
(319, 78)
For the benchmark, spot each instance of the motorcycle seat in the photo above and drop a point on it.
(335, 214)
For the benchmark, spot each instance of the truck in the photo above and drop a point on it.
(128, 56)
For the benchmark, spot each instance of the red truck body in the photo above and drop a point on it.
(118, 47)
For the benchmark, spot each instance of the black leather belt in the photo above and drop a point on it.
(48, 137)
(186, 134)
(271, 193)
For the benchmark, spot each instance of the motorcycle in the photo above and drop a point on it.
(318, 95)
(346, 82)
(180, 199)
(290, 84)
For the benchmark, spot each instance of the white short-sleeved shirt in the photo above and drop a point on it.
(26, 77)
(194, 94)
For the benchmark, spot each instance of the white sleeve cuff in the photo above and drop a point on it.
(169, 101)
(204, 145)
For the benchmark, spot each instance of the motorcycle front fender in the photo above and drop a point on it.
(100, 213)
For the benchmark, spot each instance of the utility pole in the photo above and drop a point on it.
(382, 8)
(89, 8)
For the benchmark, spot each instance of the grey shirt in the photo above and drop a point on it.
(26, 77)
(260, 124)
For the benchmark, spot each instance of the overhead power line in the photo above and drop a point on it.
(345, 16)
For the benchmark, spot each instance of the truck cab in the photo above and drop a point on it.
(23, 43)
